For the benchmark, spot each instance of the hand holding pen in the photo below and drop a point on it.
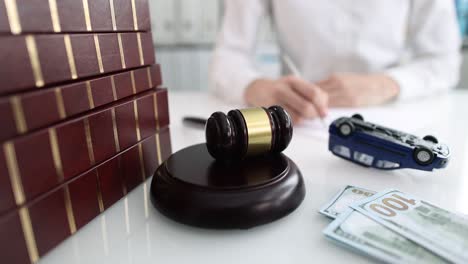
(302, 99)
(292, 67)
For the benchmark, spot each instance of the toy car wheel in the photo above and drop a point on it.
(423, 156)
(431, 139)
(358, 116)
(345, 129)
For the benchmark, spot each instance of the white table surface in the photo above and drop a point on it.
(146, 236)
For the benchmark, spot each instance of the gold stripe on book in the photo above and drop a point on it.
(87, 15)
(54, 145)
(150, 79)
(156, 116)
(142, 163)
(89, 141)
(99, 193)
(114, 25)
(13, 171)
(124, 186)
(60, 103)
(59, 169)
(18, 192)
(54, 15)
(123, 183)
(140, 49)
(69, 209)
(122, 56)
(98, 53)
(158, 149)
(28, 232)
(34, 59)
(89, 91)
(116, 133)
(135, 19)
(18, 113)
(71, 57)
(13, 17)
(132, 77)
(137, 124)
(114, 91)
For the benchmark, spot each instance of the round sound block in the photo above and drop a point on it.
(193, 188)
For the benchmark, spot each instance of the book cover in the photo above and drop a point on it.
(26, 112)
(73, 16)
(30, 231)
(45, 60)
(44, 159)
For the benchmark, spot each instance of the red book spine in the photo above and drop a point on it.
(35, 228)
(23, 113)
(73, 16)
(43, 60)
(40, 161)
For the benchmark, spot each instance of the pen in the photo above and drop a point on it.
(292, 67)
(195, 121)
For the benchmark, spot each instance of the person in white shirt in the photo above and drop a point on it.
(350, 53)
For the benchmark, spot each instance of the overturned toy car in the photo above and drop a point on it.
(376, 146)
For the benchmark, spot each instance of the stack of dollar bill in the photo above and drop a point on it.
(395, 227)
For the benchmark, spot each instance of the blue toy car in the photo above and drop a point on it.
(383, 148)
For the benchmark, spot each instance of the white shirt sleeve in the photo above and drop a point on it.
(434, 43)
(232, 67)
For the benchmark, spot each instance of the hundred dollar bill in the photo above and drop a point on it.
(434, 228)
(361, 233)
(347, 196)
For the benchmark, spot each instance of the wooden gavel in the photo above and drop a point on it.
(248, 132)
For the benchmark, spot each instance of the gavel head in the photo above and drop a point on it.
(248, 132)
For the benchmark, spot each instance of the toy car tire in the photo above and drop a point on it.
(345, 129)
(423, 156)
(358, 117)
(431, 139)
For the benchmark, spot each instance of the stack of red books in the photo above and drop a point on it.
(84, 120)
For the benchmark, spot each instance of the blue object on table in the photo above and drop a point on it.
(462, 12)
(371, 145)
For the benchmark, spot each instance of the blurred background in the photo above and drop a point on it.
(185, 33)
